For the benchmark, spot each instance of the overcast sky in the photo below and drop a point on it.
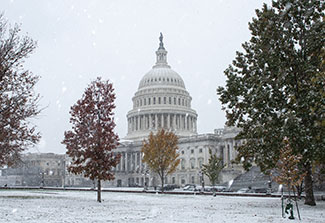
(116, 39)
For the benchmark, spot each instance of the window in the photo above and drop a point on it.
(179, 101)
(193, 180)
(182, 151)
(170, 100)
(173, 180)
(154, 101)
(159, 102)
(192, 151)
(183, 164)
(149, 101)
(183, 181)
(165, 100)
(192, 161)
(200, 162)
(200, 150)
(174, 101)
(145, 101)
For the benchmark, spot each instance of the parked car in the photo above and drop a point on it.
(244, 190)
(170, 187)
(260, 190)
(189, 187)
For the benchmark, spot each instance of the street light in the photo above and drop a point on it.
(42, 180)
(144, 180)
(201, 174)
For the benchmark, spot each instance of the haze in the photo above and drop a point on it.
(81, 40)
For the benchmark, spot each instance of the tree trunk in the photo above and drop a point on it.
(310, 200)
(99, 199)
(162, 184)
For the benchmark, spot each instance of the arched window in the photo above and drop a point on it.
(159, 101)
(183, 164)
(149, 101)
(154, 100)
(200, 161)
(164, 100)
(192, 161)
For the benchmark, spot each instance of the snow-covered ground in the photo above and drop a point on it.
(74, 206)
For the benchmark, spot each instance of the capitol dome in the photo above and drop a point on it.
(161, 101)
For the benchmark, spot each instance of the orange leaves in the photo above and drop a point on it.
(288, 168)
(159, 152)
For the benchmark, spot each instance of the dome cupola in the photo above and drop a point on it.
(161, 101)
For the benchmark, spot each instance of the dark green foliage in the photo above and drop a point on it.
(213, 168)
(275, 89)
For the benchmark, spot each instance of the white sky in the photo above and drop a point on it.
(79, 40)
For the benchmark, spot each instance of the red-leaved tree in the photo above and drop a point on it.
(91, 141)
(18, 101)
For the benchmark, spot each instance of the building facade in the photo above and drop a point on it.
(162, 101)
(36, 169)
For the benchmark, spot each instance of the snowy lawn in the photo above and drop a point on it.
(75, 206)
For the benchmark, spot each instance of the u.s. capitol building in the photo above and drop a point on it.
(162, 101)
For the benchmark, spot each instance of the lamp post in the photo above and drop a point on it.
(145, 174)
(42, 180)
(201, 174)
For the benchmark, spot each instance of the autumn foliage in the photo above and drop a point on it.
(288, 171)
(18, 101)
(160, 153)
(91, 141)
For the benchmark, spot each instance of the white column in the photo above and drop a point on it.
(150, 121)
(156, 121)
(162, 121)
(126, 162)
(174, 122)
(123, 161)
(168, 121)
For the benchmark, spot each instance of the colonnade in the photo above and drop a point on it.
(130, 162)
(163, 120)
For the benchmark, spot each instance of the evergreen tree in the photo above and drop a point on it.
(92, 138)
(213, 168)
(160, 153)
(18, 101)
(275, 89)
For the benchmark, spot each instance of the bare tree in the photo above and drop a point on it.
(18, 101)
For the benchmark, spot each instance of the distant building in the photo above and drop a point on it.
(36, 169)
